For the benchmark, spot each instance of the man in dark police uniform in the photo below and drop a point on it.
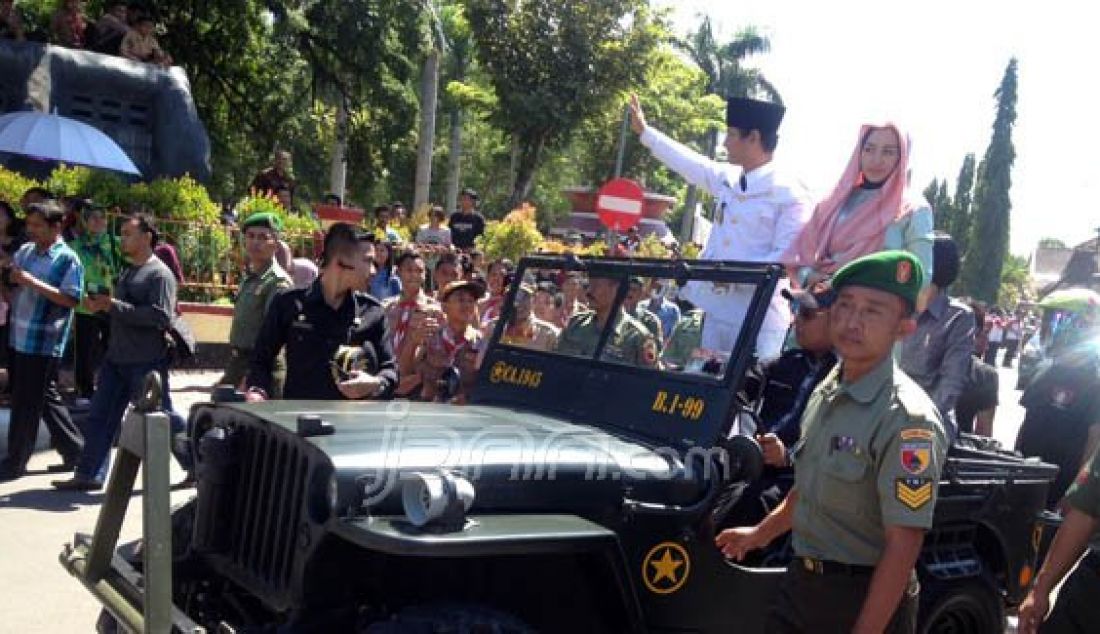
(334, 335)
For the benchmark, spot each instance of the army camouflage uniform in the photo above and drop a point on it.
(685, 338)
(1076, 609)
(253, 299)
(870, 457)
(630, 341)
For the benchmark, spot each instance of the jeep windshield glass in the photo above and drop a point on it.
(652, 320)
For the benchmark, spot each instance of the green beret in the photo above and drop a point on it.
(267, 220)
(896, 272)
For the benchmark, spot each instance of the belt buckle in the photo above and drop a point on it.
(813, 565)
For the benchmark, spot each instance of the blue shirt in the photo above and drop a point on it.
(667, 312)
(39, 326)
(385, 285)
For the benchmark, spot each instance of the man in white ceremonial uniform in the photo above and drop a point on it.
(760, 213)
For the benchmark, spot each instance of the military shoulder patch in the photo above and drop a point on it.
(913, 493)
(914, 434)
(916, 456)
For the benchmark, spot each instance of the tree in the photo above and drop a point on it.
(1015, 282)
(982, 269)
(961, 206)
(269, 74)
(459, 57)
(552, 64)
(940, 201)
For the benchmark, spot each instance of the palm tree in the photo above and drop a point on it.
(721, 63)
(459, 58)
(429, 94)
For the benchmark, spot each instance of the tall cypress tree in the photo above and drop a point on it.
(964, 191)
(942, 208)
(989, 239)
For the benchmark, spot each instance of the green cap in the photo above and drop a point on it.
(896, 272)
(267, 220)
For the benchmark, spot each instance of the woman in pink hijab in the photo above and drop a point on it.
(871, 209)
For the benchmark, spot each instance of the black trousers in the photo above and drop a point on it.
(827, 603)
(1011, 347)
(90, 344)
(34, 397)
(1077, 611)
(991, 353)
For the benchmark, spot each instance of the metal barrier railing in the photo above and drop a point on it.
(212, 256)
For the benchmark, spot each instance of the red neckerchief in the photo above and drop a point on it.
(404, 310)
(451, 344)
(492, 307)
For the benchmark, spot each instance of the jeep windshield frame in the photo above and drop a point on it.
(640, 402)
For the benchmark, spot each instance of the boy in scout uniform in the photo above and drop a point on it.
(630, 342)
(263, 279)
(1077, 610)
(866, 469)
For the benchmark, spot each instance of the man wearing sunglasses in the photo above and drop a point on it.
(782, 388)
(315, 325)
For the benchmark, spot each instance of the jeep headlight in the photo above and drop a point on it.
(439, 497)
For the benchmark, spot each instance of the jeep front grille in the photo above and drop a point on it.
(267, 515)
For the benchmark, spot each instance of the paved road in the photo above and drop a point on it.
(40, 597)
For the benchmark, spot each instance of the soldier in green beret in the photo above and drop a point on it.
(866, 469)
(630, 341)
(263, 279)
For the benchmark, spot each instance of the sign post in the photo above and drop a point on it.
(619, 206)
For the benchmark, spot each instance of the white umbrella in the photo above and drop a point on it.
(52, 137)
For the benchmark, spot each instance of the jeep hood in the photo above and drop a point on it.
(517, 461)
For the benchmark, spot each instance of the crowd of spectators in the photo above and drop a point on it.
(124, 30)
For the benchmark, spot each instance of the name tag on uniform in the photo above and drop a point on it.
(844, 444)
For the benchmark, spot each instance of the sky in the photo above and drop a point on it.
(933, 67)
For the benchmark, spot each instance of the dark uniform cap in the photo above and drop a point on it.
(469, 191)
(750, 114)
(267, 220)
(821, 296)
(896, 272)
(477, 288)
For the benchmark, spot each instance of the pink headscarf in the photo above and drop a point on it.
(824, 247)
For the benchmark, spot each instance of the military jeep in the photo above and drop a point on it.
(572, 494)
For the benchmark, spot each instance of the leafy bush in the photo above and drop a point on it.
(512, 238)
(299, 230)
(12, 186)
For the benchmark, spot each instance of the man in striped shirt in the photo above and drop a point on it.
(45, 280)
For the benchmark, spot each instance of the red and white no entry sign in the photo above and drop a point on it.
(619, 204)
